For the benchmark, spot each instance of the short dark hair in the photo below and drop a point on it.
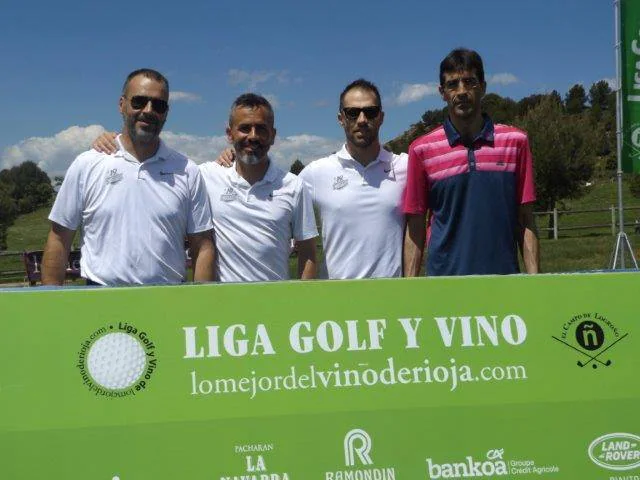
(148, 73)
(362, 84)
(462, 59)
(251, 100)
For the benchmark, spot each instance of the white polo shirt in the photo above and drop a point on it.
(134, 215)
(254, 224)
(361, 213)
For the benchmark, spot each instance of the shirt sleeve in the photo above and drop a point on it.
(306, 175)
(199, 215)
(415, 193)
(525, 179)
(69, 204)
(303, 219)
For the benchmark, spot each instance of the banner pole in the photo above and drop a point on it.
(622, 241)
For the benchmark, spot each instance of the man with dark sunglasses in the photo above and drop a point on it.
(358, 192)
(474, 178)
(136, 205)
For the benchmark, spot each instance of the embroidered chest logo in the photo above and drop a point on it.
(340, 182)
(113, 176)
(229, 195)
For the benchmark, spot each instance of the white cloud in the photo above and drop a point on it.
(612, 82)
(253, 79)
(414, 92)
(304, 147)
(54, 154)
(502, 79)
(197, 148)
(178, 96)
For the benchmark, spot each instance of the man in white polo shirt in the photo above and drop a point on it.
(358, 192)
(136, 205)
(257, 207)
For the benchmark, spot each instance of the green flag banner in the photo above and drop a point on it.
(630, 51)
(497, 377)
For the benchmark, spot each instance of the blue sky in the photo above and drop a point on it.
(63, 64)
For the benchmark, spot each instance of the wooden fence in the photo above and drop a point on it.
(631, 215)
(12, 267)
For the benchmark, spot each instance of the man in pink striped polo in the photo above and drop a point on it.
(475, 181)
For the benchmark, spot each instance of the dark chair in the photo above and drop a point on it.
(33, 266)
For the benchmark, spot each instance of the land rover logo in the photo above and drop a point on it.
(616, 451)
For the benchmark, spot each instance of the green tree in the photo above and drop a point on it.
(602, 100)
(28, 185)
(501, 110)
(563, 149)
(576, 100)
(8, 213)
(296, 167)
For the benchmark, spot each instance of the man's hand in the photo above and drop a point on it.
(56, 254)
(528, 238)
(226, 158)
(203, 254)
(106, 143)
(306, 259)
(414, 239)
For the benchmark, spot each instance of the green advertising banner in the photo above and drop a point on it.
(630, 51)
(482, 377)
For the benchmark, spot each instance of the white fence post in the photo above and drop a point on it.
(555, 223)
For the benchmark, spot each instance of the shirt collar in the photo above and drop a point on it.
(383, 156)
(486, 133)
(269, 176)
(161, 154)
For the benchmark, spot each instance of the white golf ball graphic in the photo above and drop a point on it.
(116, 361)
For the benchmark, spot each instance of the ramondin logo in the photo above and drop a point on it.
(357, 442)
(494, 465)
(117, 361)
(357, 445)
(616, 451)
(591, 335)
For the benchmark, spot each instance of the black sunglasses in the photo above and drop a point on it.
(353, 113)
(140, 101)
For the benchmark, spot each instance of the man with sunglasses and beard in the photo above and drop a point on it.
(475, 179)
(136, 205)
(358, 192)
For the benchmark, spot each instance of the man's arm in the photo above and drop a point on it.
(56, 254)
(528, 238)
(414, 239)
(306, 258)
(203, 254)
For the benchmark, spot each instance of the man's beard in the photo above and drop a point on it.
(139, 135)
(249, 159)
(365, 139)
